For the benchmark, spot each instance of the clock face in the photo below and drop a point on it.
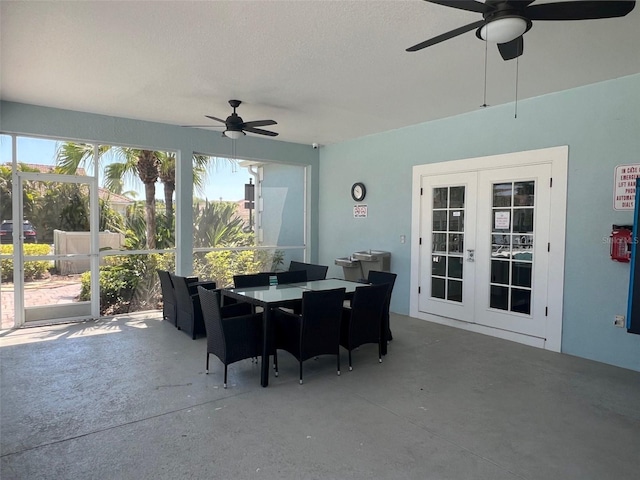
(358, 191)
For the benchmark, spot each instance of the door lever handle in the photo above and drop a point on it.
(471, 255)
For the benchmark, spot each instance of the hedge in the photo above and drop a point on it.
(32, 269)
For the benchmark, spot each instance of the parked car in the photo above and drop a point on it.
(28, 231)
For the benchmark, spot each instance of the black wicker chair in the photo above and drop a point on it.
(188, 311)
(292, 276)
(377, 278)
(231, 339)
(169, 303)
(314, 272)
(252, 280)
(315, 332)
(362, 322)
(168, 297)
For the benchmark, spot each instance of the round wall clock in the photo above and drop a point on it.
(358, 191)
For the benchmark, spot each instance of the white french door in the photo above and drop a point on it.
(447, 270)
(485, 248)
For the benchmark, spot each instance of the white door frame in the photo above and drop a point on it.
(93, 310)
(557, 157)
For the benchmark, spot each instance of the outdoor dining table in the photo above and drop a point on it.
(275, 296)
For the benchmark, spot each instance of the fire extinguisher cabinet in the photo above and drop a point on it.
(621, 243)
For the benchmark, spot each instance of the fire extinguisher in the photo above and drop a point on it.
(621, 243)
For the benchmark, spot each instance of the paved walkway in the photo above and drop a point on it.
(48, 292)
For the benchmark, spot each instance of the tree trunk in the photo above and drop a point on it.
(169, 188)
(148, 173)
(150, 214)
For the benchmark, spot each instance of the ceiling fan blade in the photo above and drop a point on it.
(216, 119)
(202, 126)
(259, 131)
(580, 10)
(512, 49)
(259, 123)
(520, 3)
(446, 36)
(468, 5)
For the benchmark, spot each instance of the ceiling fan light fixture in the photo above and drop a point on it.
(503, 30)
(234, 134)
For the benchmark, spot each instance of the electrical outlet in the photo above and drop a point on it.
(619, 321)
(403, 239)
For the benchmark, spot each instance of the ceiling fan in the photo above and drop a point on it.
(505, 21)
(235, 127)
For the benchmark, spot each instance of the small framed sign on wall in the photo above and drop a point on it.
(359, 211)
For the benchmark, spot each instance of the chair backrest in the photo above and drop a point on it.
(321, 317)
(314, 272)
(168, 296)
(166, 285)
(183, 296)
(251, 280)
(210, 303)
(367, 310)
(292, 276)
(378, 278)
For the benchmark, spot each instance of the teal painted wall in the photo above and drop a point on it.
(601, 125)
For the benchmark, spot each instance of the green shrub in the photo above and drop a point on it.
(32, 269)
(223, 265)
(127, 283)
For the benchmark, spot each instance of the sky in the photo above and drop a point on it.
(224, 180)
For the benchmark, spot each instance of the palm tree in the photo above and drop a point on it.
(141, 163)
(145, 165)
(31, 192)
(167, 175)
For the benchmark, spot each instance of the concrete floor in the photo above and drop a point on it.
(127, 398)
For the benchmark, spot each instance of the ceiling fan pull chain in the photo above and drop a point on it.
(516, 106)
(484, 100)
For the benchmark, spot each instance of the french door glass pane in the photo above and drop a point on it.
(454, 290)
(456, 221)
(502, 193)
(439, 242)
(437, 287)
(455, 267)
(456, 199)
(456, 243)
(439, 220)
(499, 297)
(440, 196)
(439, 265)
(524, 193)
(500, 272)
(520, 301)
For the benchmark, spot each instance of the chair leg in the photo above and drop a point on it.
(275, 363)
(338, 361)
(379, 352)
(350, 367)
(225, 376)
(300, 373)
(207, 368)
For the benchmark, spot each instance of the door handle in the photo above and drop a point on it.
(471, 255)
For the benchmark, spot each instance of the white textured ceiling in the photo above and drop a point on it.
(326, 71)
